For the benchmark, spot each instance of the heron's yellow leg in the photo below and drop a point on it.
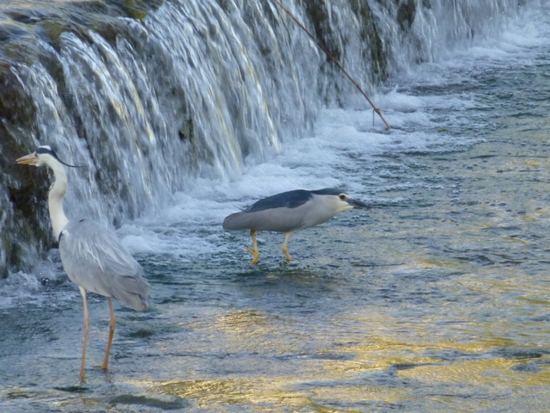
(256, 253)
(287, 237)
(86, 327)
(112, 326)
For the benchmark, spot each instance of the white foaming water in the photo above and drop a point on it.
(342, 149)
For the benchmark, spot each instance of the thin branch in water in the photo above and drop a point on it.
(334, 61)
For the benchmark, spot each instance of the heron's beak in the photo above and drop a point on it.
(357, 204)
(27, 159)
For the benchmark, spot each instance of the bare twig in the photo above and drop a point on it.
(334, 60)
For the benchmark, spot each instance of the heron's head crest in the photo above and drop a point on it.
(42, 156)
(47, 150)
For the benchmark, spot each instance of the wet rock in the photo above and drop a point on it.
(21, 197)
(25, 233)
(374, 46)
(406, 13)
(171, 402)
(321, 17)
(515, 353)
(526, 368)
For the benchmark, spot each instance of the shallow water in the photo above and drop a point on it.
(436, 299)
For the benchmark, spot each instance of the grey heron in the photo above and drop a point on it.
(92, 255)
(289, 212)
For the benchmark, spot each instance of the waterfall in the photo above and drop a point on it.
(148, 100)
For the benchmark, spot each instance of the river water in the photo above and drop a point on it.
(436, 299)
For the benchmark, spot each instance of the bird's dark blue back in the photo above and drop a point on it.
(290, 199)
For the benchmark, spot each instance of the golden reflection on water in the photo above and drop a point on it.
(374, 353)
(273, 393)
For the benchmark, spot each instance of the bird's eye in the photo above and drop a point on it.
(342, 197)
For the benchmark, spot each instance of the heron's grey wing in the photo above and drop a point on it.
(282, 219)
(96, 260)
(275, 213)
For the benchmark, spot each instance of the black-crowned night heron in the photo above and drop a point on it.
(92, 255)
(289, 212)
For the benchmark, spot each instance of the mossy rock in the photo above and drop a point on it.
(25, 232)
(24, 220)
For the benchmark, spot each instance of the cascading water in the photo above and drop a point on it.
(427, 30)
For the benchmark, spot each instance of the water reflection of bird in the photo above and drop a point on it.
(92, 255)
(289, 212)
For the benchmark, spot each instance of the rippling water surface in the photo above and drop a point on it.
(434, 300)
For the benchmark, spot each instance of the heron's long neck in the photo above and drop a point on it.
(55, 200)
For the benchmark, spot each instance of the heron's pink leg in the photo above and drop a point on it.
(112, 326)
(86, 327)
(256, 253)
